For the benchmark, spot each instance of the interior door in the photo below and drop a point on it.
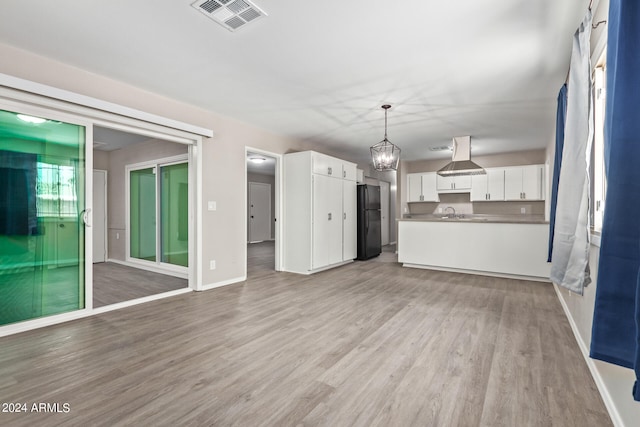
(384, 212)
(43, 177)
(99, 224)
(259, 212)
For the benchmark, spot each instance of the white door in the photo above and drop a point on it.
(336, 215)
(320, 221)
(384, 212)
(99, 225)
(259, 212)
(349, 219)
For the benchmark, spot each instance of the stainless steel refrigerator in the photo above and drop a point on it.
(369, 230)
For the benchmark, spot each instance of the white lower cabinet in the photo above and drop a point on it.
(320, 212)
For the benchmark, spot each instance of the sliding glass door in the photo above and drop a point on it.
(42, 202)
(159, 213)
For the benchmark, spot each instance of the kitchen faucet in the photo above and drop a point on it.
(453, 215)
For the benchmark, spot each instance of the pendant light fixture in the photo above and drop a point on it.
(384, 154)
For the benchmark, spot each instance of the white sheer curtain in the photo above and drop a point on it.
(570, 259)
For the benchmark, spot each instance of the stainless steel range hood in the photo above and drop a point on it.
(461, 163)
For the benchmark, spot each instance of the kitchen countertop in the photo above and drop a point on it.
(505, 219)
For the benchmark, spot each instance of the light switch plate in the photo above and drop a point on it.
(523, 210)
(212, 206)
(212, 264)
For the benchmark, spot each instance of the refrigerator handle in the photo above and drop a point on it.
(366, 224)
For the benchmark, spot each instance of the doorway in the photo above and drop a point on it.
(147, 195)
(263, 207)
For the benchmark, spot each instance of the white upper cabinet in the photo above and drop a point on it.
(422, 187)
(453, 184)
(327, 165)
(488, 187)
(349, 171)
(524, 183)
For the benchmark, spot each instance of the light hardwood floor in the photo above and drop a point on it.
(113, 283)
(367, 344)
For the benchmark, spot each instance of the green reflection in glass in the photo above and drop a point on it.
(142, 210)
(42, 178)
(174, 214)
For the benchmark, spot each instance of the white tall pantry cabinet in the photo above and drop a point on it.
(320, 212)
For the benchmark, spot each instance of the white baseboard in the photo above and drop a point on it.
(222, 283)
(595, 372)
(41, 322)
(151, 268)
(478, 273)
(142, 300)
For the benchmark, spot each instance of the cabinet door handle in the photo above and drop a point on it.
(524, 195)
(329, 171)
(329, 216)
(488, 196)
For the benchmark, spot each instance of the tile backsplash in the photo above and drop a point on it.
(461, 202)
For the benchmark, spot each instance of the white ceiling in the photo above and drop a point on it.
(321, 70)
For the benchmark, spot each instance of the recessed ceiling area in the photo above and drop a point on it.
(489, 69)
(105, 139)
(260, 164)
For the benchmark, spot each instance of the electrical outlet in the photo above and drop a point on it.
(439, 210)
(523, 210)
(212, 206)
(117, 236)
(212, 264)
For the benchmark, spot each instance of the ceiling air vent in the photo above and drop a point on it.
(441, 148)
(231, 14)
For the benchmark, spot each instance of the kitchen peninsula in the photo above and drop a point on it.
(502, 246)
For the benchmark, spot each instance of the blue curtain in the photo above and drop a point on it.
(561, 113)
(615, 332)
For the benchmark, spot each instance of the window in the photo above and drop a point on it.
(56, 194)
(599, 180)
